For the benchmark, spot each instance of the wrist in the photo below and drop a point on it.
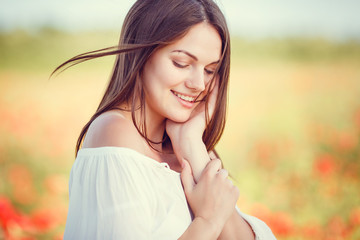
(201, 229)
(190, 149)
(197, 156)
(193, 137)
(212, 228)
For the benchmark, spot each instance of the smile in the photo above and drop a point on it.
(184, 97)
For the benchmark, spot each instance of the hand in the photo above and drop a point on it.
(214, 197)
(196, 123)
(183, 135)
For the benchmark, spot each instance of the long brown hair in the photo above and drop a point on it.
(149, 25)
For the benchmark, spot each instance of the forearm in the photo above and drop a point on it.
(236, 228)
(196, 154)
(200, 229)
(194, 151)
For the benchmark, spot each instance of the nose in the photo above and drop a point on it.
(196, 81)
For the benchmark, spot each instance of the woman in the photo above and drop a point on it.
(143, 168)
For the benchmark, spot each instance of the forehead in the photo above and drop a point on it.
(202, 40)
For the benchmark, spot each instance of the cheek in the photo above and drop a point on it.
(163, 79)
(153, 81)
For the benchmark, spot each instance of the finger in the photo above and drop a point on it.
(187, 178)
(213, 166)
(230, 183)
(236, 192)
(223, 173)
(212, 155)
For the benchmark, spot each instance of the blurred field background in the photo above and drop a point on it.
(292, 139)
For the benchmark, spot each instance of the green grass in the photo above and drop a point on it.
(47, 48)
(44, 50)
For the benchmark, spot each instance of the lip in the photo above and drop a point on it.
(183, 102)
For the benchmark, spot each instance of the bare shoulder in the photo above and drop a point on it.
(113, 128)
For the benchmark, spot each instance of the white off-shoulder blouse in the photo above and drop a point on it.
(118, 193)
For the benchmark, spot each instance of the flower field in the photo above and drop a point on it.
(291, 144)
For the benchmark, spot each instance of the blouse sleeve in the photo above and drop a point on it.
(107, 200)
(260, 229)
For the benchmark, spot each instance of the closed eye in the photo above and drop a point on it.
(176, 64)
(210, 72)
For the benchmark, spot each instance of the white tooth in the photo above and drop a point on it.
(185, 98)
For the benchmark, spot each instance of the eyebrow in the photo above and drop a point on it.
(192, 56)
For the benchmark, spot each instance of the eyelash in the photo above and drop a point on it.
(179, 65)
(209, 72)
(176, 64)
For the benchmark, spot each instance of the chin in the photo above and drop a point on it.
(179, 118)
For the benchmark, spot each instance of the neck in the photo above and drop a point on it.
(155, 124)
(155, 128)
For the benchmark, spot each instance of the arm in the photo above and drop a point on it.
(200, 229)
(212, 200)
(235, 227)
(186, 139)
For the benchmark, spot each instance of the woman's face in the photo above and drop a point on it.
(177, 74)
